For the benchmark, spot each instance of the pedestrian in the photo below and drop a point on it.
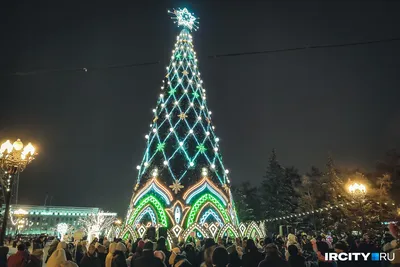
(148, 259)
(159, 254)
(63, 245)
(220, 257)
(209, 246)
(295, 259)
(110, 255)
(3, 256)
(18, 259)
(90, 259)
(57, 258)
(119, 259)
(252, 257)
(101, 254)
(52, 248)
(161, 245)
(273, 258)
(36, 258)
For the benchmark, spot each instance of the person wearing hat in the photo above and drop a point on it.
(139, 251)
(110, 255)
(119, 259)
(90, 259)
(161, 245)
(148, 259)
(35, 259)
(18, 259)
(273, 258)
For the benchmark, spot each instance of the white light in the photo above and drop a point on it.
(180, 62)
(190, 81)
(217, 139)
(167, 68)
(162, 105)
(154, 110)
(210, 112)
(201, 81)
(175, 71)
(145, 164)
(195, 67)
(176, 103)
(226, 171)
(138, 167)
(146, 136)
(181, 143)
(165, 162)
(198, 85)
(191, 164)
(185, 90)
(216, 149)
(151, 125)
(199, 118)
(204, 90)
(162, 87)
(173, 64)
(167, 116)
(172, 57)
(189, 64)
(213, 127)
(202, 107)
(204, 97)
(212, 166)
(161, 95)
(191, 103)
(171, 129)
(154, 130)
(184, 54)
(191, 131)
(155, 172)
(199, 75)
(179, 80)
(207, 133)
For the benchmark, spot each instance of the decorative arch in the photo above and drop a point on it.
(158, 188)
(253, 227)
(128, 230)
(155, 204)
(227, 227)
(199, 205)
(205, 185)
(208, 213)
(197, 227)
(146, 210)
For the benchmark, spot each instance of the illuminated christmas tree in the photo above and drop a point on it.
(182, 183)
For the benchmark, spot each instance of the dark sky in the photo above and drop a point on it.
(90, 127)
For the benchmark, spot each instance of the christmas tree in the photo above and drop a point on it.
(182, 183)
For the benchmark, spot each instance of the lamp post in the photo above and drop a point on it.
(358, 192)
(13, 160)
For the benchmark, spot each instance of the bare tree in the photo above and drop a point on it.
(96, 223)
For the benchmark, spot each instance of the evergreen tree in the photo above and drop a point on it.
(277, 191)
(249, 205)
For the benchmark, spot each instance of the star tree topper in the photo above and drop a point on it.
(184, 18)
(176, 186)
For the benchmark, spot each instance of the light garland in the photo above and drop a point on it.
(200, 203)
(145, 211)
(156, 204)
(155, 185)
(199, 187)
(209, 213)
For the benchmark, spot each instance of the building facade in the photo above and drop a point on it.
(28, 219)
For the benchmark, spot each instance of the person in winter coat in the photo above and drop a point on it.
(234, 258)
(148, 259)
(181, 261)
(79, 253)
(57, 258)
(110, 255)
(159, 254)
(101, 254)
(18, 259)
(161, 245)
(190, 253)
(90, 259)
(63, 245)
(273, 258)
(209, 246)
(52, 248)
(295, 259)
(119, 259)
(139, 251)
(175, 251)
(220, 257)
(35, 259)
(3, 256)
(252, 257)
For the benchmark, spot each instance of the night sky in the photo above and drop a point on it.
(89, 127)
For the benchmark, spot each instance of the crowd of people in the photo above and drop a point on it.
(277, 251)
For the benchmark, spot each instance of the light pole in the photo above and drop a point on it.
(13, 160)
(358, 192)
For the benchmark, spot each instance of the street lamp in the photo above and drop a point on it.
(358, 192)
(13, 160)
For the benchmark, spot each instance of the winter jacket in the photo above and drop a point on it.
(90, 261)
(17, 260)
(297, 261)
(34, 262)
(118, 259)
(148, 259)
(252, 259)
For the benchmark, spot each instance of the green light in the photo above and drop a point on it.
(206, 198)
(156, 204)
(201, 148)
(178, 56)
(195, 94)
(172, 91)
(160, 147)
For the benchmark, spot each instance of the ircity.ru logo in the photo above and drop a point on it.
(358, 256)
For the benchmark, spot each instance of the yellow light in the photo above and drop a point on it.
(357, 187)
(118, 222)
(18, 145)
(6, 146)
